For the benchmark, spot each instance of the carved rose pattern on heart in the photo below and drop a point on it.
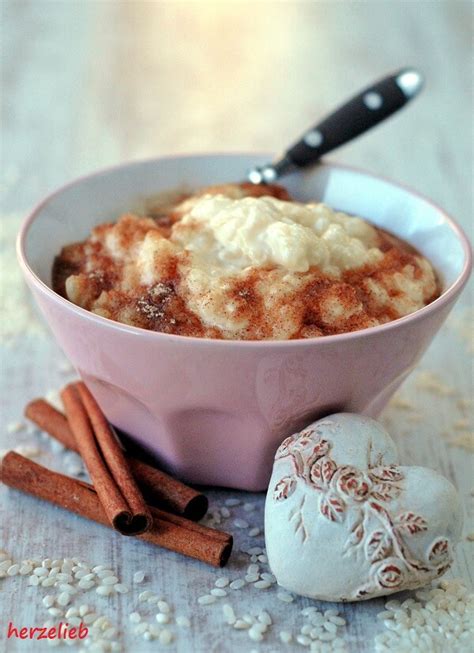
(359, 500)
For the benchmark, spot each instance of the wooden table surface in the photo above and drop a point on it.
(88, 84)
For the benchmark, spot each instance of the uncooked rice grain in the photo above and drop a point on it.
(285, 636)
(163, 606)
(49, 600)
(255, 634)
(206, 599)
(232, 502)
(439, 620)
(162, 618)
(139, 577)
(229, 613)
(285, 597)
(265, 618)
(217, 591)
(183, 621)
(251, 578)
(166, 637)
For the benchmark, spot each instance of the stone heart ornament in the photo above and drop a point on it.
(345, 522)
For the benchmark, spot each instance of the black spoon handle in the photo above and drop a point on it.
(357, 116)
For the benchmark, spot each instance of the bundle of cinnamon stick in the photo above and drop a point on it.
(120, 483)
(158, 488)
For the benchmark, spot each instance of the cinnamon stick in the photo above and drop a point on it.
(158, 488)
(168, 531)
(109, 471)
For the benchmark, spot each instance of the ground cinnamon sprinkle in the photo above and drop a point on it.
(136, 272)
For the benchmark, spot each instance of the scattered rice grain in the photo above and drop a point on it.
(183, 622)
(229, 613)
(139, 577)
(162, 618)
(241, 523)
(286, 637)
(163, 606)
(217, 591)
(206, 599)
(262, 584)
(166, 637)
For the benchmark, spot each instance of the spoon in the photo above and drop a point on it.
(357, 116)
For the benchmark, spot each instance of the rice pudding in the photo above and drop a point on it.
(245, 262)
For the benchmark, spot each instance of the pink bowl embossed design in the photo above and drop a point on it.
(214, 411)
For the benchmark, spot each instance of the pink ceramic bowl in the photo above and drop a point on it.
(215, 411)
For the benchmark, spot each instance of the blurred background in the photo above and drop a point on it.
(90, 83)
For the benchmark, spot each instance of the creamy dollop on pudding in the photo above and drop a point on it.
(245, 262)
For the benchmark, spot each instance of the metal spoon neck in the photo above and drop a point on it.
(268, 174)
